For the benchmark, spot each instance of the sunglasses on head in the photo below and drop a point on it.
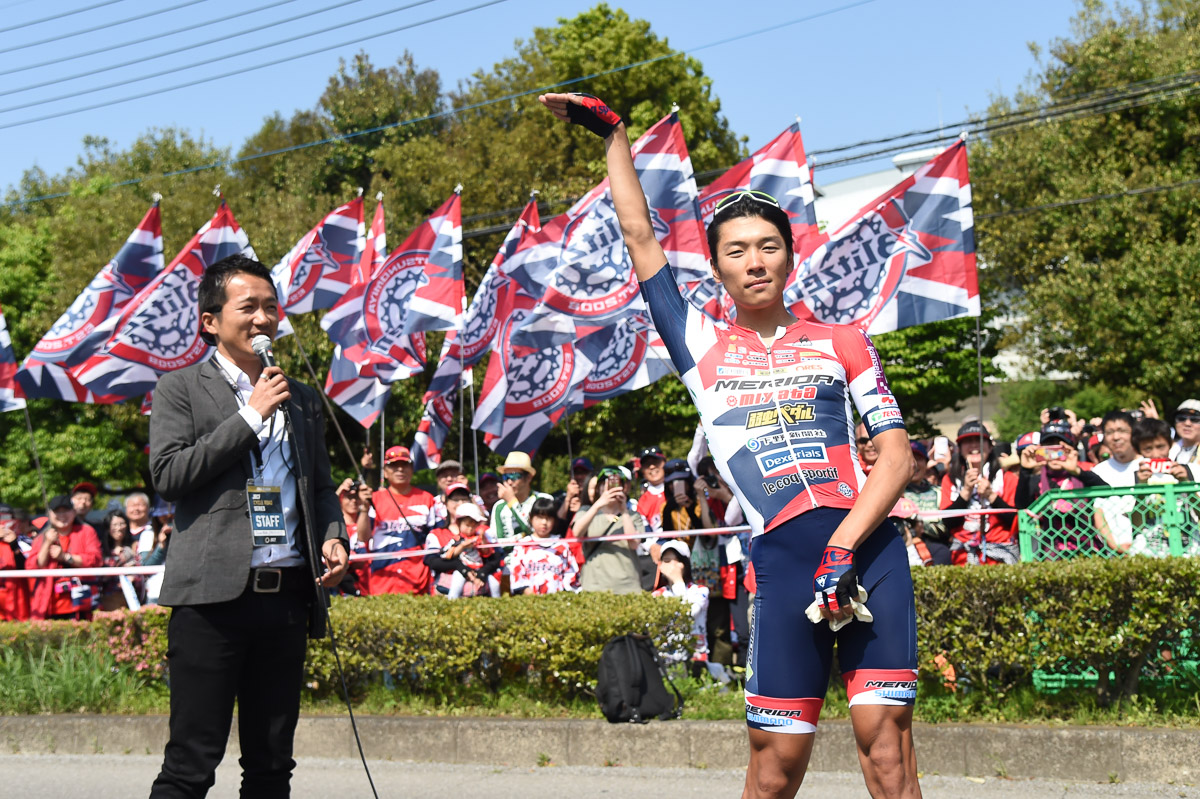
(758, 196)
(604, 473)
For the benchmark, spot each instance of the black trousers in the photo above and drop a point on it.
(250, 649)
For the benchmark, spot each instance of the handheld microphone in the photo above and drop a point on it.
(262, 348)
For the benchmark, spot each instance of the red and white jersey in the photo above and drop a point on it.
(650, 505)
(402, 521)
(543, 566)
(778, 419)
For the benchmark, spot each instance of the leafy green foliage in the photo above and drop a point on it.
(548, 645)
(1104, 288)
(1022, 402)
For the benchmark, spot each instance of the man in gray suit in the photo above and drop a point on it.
(256, 513)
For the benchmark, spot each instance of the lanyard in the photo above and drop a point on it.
(257, 452)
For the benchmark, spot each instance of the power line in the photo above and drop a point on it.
(205, 62)
(232, 73)
(60, 15)
(65, 57)
(152, 13)
(429, 117)
(1084, 200)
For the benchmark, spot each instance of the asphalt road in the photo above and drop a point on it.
(123, 776)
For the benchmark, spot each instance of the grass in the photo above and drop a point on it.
(72, 680)
(78, 679)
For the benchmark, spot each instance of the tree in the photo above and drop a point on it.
(1106, 289)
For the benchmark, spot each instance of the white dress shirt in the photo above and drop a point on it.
(276, 453)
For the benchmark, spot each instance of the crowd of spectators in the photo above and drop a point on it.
(641, 526)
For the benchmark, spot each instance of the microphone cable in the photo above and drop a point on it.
(262, 348)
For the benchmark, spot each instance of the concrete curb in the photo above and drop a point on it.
(1094, 754)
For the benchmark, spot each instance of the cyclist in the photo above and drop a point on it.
(774, 395)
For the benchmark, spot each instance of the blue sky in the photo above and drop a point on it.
(867, 71)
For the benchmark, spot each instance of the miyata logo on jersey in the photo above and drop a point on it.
(776, 439)
(792, 414)
(773, 463)
(884, 415)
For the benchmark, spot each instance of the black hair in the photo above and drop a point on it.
(747, 206)
(210, 295)
(958, 464)
(1117, 416)
(671, 554)
(106, 537)
(1147, 430)
(543, 506)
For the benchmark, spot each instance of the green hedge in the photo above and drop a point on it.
(549, 645)
(999, 624)
(1127, 618)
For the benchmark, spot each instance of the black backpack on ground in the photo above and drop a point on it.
(630, 686)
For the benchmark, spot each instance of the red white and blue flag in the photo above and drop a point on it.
(905, 259)
(10, 393)
(159, 329)
(577, 263)
(318, 270)
(363, 397)
(440, 297)
(460, 354)
(625, 357)
(779, 168)
(86, 325)
(525, 395)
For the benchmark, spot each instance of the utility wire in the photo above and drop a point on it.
(1084, 200)
(234, 72)
(215, 59)
(152, 13)
(60, 15)
(108, 48)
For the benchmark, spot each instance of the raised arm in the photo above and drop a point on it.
(628, 198)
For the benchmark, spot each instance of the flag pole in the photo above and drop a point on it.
(382, 441)
(37, 462)
(979, 362)
(328, 407)
(474, 433)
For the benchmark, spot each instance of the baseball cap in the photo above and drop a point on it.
(624, 473)
(582, 463)
(919, 449)
(489, 477)
(395, 454)
(679, 546)
(518, 461)
(88, 487)
(459, 486)
(468, 510)
(1189, 405)
(60, 501)
(972, 428)
(651, 452)
(1058, 430)
(444, 465)
(1029, 440)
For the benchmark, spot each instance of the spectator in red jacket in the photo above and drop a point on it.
(64, 543)
(976, 481)
(14, 594)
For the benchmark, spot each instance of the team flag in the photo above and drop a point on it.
(159, 329)
(86, 325)
(780, 169)
(905, 259)
(460, 354)
(318, 270)
(10, 391)
(363, 398)
(440, 297)
(577, 263)
(625, 357)
(525, 395)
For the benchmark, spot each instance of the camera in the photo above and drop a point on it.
(710, 480)
(1057, 413)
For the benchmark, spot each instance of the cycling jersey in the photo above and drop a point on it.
(778, 418)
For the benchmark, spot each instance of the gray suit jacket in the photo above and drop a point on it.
(200, 459)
